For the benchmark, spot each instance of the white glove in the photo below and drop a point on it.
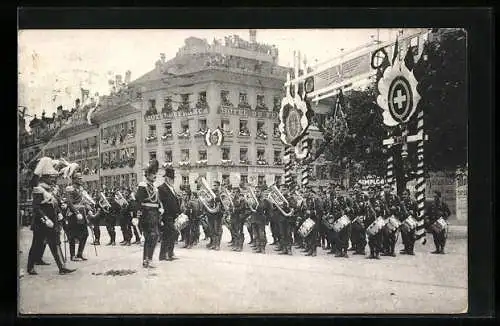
(161, 210)
(135, 221)
(60, 217)
(161, 223)
(139, 213)
(79, 217)
(49, 223)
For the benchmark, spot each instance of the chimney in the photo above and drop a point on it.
(253, 36)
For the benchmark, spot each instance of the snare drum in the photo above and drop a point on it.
(341, 223)
(181, 222)
(306, 227)
(409, 224)
(359, 222)
(439, 225)
(375, 227)
(392, 224)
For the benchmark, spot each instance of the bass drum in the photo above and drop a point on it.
(306, 227)
(439, 225)
(341, 223)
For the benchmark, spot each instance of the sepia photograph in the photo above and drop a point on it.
(243, 171)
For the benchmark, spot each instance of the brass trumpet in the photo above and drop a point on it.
(226, 199)
(276, 197)
(87, 199)
(207, 197)
(251, 199)
(104, 203)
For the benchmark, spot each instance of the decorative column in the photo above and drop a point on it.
(420, 187)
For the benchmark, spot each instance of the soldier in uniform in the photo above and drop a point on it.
(238, 219)
(171, 205)
(193, 209)
(286, 224)
(323, 230)
(259, 219)
(437, 210)
(109, 217)
(392, 208)
(215, 220)
(132, 211)
(341, 237)
(375, 209)
(46, 222)
(358, 236)
(336, 211)
(148, 211)
(409, 208)
(78, 223)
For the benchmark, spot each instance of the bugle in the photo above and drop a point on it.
(251, 199)
(104, 203)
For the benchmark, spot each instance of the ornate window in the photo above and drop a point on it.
(261, 130)
(226, 153)
(185, 155)
(244, 131)
(167, 105)
(277, 157)
(261, 105)
(151, 133)
(167, 130)
(202, 154)
(261, 158)
(152, 155)
(243, 103)
(184, 105)
(276, 131)
(261, 181)
(244, 156)
(168, 156)
(225, 179)
(244, 179)
(224, 98)
(277, 179)
(276, 103)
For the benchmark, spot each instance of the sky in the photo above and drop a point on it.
(66, 60)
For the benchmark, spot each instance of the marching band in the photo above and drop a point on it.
(332, 218)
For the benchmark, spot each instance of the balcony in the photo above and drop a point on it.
(200, 133)
(262, 162)
(227, 132)
(244, 133)
(226, 162)
(184, 164)
(244, 105)
(244, 162)
(261, 107)
(201, 163)
(166, 137)
(150, 140)
(183, 135)
(261, 135)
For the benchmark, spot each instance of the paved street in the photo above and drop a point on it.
(204, 281)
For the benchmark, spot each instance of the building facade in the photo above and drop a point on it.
(234, 88)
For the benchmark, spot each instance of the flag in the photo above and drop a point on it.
(396, 51)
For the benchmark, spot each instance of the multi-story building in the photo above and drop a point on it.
(235, 87)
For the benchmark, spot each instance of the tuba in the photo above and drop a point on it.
(276, 197)
(207, 197)
(251, 199)
(226, 199)
(120, 199)
(104, 203)
(87, 199)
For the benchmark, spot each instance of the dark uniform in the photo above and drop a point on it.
(78, 223)
(148, 205)
(437, 210)
(215, 222)
(46, 223)
(239, 216)
(342, 237)
(286, 224)
(392, 208)
(259, 220)
(375, 209)
(409, 208)
(132, 212)
(358, 225)
(172, 208)
(193, 210)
